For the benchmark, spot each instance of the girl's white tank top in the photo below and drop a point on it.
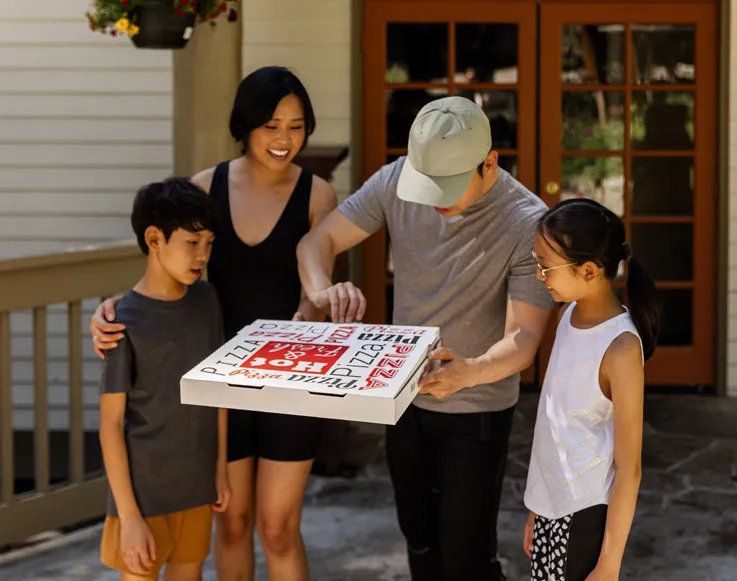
(572, 462)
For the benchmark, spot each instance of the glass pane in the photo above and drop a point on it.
(593, 54)
(501, 109)
(486, 53)
(664, 250)
(509, 163)
(416, 52)
(662, 186)
(401, 109)
(596, 178)
(662, 120)
(593, 120)
(676, 317)
(663, 53)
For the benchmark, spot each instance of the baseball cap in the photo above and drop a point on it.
(448, 140)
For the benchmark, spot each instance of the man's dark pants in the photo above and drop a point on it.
(447, 471)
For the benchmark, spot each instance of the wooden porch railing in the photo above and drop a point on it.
(35, 283)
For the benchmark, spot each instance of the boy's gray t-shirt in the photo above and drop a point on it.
(457, 272)
(172, 447)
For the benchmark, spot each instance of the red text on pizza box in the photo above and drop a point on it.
(355, 372)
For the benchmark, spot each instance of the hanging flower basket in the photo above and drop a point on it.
(157, 24)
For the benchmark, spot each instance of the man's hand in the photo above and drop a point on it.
(344, 301)
(105, 334)
(456, 373)
(223, 487)
(137, 545)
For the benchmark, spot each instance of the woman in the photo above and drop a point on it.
(266, 204)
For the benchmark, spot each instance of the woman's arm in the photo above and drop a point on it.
(323, 200)
(624, 378)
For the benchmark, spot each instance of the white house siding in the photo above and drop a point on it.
(313, 39)
(84, 121)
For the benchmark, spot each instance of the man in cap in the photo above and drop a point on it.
(461, 230)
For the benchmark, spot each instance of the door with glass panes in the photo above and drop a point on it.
(621, 109)
(628, 117)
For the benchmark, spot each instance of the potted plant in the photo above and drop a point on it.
(167, 24)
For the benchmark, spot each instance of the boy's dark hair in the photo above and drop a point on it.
(169, 205)
(587, 231)
(257, 98)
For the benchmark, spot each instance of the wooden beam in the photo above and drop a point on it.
(206, 76)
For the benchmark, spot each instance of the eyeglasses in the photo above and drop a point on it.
(544, 271)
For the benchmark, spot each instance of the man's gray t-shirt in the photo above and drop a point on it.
(172, 447)
(457, 272)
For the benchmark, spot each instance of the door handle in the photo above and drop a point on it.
(552, 188)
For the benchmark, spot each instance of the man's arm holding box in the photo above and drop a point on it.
(528, 311)
(524, 329)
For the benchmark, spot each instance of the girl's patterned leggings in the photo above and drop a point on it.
(567, 548)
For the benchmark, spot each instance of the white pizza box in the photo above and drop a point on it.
(357, 372)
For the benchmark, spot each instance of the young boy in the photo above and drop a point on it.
(165, 461)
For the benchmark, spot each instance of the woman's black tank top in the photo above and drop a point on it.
(261, 281)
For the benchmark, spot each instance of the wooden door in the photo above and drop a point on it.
(628, 117)
(417, 51)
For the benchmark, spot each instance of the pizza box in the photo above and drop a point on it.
(356, 372)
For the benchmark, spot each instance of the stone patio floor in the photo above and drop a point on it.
(685, 528)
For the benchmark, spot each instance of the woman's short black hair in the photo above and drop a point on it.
(258, 96)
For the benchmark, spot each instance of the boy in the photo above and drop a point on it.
(165, 462)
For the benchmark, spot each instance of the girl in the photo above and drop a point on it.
(266, 204)
(585, 467)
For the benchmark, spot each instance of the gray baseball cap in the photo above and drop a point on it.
(448, 140)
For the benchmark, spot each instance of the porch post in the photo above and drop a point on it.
(206, 75)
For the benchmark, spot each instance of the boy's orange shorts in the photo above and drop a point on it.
(180, 537)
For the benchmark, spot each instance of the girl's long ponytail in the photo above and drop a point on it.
(644, 306)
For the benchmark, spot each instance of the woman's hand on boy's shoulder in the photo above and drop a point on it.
(105, 332)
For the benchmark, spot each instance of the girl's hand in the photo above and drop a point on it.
(137, 545)
(604, 573)
(529, 527)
